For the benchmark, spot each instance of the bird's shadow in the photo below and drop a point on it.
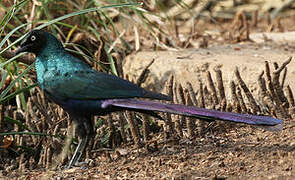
(226, 148)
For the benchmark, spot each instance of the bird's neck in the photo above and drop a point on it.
(48, 60)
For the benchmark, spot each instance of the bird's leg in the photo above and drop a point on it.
(84, 132)
(79, 151)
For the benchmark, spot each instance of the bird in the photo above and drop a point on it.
(83, 92)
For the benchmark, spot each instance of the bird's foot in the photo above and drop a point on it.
(82, 164)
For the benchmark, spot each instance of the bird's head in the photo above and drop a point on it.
(34, 42)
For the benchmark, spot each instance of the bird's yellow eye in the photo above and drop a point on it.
(33, 38)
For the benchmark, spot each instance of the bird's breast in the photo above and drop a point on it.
(48, 73)
(40, 70)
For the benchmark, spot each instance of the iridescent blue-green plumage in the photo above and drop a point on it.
(66, 77)
(83, 92)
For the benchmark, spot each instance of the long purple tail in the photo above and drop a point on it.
(193, 111)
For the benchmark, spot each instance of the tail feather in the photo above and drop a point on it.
(205, 114)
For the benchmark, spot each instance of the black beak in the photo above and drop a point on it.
(21, 49)
(24, 47)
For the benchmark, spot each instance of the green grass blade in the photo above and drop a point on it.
(10, 96)
(8, 16)
(112, 63)
(3, 78)
(30, 133)
(8, 35)
(84, 11)
(14, 81)
(65, 17)
(9, 61)
(17, 122)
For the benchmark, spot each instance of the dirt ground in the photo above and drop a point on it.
(240, 152)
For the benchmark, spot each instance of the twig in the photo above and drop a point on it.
(212, 88)
(111, 127)
(266, 98)
(208, 98)
(142, 77)
(235, 100)
(276, 83)
(130, 117)
(180, 100)
(290, 96)
(284, 77)
(201, 103)
(220, 89)
(145, 128)
(280, 112)
(254, 18)
(49, 157)
(122, 128)
(34, 117)
(268, 19)
(189, 121)
(249, 96)
(133, 127)
(169, 92)
(137, 44)
(118, 59)
(269, 83)
(1, 116)
(202, 6)
(192, 93)
(176, 10)
(241, 100)
(292, 112)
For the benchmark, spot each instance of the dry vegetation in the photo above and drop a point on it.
(128, 145)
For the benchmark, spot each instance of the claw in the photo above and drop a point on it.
(78, 152)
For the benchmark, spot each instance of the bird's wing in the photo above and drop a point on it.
(90, 84)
